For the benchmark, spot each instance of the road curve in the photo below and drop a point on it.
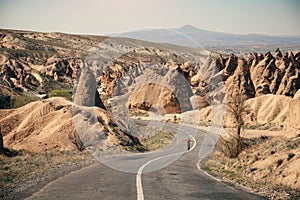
(170, 173)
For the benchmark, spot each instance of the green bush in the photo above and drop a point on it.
(22, 100)
(61, 93)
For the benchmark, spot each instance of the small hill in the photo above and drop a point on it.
(58, 124)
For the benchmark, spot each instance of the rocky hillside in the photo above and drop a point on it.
(33, 64)
(32, 61)
(55, 124)
(253, 76)
(121, 75)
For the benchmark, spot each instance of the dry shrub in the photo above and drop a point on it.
(229, 145)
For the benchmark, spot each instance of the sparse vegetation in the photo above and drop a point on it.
(50, 84)
(263, 137)
(269, 126)
(292, 144)
(253, 169)
(25, 171)
(5, 102)
(61, 93)
(206, 168)
(273, 152)
(157, 141)
(279, 162)
(138, 113)
(22, 100)
(267, 166)
(290, 156)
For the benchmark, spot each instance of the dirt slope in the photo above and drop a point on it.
(55, 124)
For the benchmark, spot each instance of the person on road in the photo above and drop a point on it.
(188, 142)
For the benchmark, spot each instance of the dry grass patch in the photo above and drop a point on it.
(26, 172)
(158, 141)
(270, 166)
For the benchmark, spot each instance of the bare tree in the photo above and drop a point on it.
(238, 109)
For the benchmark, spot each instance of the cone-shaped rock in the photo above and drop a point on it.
(85, 93)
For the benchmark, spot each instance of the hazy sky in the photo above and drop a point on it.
(272, 17)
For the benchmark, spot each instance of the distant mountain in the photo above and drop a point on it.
(194, 37)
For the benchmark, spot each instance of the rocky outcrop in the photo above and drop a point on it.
(199, 102)
(290, 82)
(240, 81)
(253, 76)
(122, 72)
(33, 62)
(230, 65)
(17, 73)
(161, 99)
(276, 75)
(85, 91)
(166, 93)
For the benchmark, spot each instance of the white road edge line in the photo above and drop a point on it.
(139, 187)
(203, 171)
(199, 168)
(211, 176)
(207, 174)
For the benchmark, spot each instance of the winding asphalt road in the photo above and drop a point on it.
(170, 173)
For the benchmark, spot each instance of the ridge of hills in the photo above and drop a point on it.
(181, 36)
